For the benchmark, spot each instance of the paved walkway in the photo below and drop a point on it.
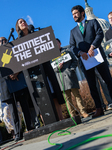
(89, 128)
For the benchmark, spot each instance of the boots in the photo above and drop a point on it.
(99, 112)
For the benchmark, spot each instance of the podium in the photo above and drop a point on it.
(40, 93)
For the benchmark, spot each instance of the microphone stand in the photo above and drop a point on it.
(11, 35)
(9, 38)
(38, 28)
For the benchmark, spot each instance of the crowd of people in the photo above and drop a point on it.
(84, 39)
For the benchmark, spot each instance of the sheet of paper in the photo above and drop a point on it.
(93, 61)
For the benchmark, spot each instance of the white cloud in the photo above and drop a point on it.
(30, 21)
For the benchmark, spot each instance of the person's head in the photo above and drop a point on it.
(78, 13)
(110, 18)
(3, 40)
(21, 25)
(58, 42)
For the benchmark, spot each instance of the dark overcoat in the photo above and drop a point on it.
(67, 77)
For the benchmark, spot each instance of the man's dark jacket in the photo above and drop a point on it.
(108, 34)
(93, 35)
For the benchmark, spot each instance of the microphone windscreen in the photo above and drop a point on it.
(31, 28)
(12, 30)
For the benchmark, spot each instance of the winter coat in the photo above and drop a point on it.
(4, 93)
(67, 77)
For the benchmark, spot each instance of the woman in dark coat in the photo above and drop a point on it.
(16, 90)
(22, 30)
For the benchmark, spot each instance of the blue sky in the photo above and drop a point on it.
(44, 13)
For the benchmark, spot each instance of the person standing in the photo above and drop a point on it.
(108, 34)
(84, 38)
(68, 81)
(11, 97)
(23, 30)
(5, 95)
(7, 119)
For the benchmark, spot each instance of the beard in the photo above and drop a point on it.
(77, 19)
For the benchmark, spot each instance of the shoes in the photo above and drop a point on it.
(85, 115)
(18, 137)
(104, 108)
(12, 134)
(109, 107)
(37, 125)
(99, 112)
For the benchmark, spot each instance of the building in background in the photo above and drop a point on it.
(103, 23)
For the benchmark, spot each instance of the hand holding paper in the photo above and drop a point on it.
(91, 51)
(84, 55)
(93, 61)
(61, 65)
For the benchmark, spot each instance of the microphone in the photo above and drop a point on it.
(20, 34)
(11, 31)
(31, 28)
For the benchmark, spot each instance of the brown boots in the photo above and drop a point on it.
(99, 112)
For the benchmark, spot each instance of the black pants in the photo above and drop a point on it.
(21, 96)
(54, 82)
(103, 70)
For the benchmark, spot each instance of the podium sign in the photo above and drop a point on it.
(28, 51)
(108, 50)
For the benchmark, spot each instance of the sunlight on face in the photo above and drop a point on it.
(22, 24)
(2, 41)
(77, 15)
(110, 19)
